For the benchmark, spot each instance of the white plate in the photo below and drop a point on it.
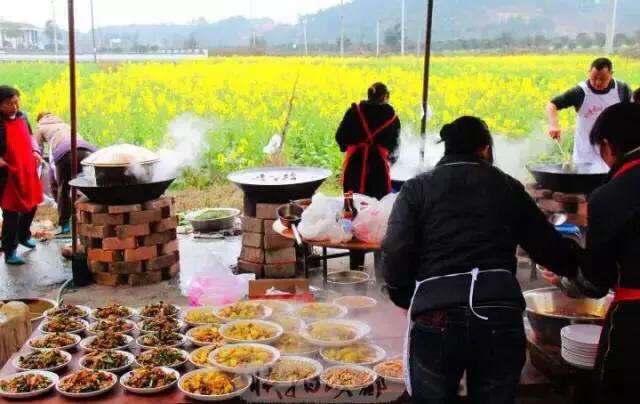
(267, 313)
(131, 310)
(275, 326)
(78, 331)
(114, 380)
(180, 326)
(312, 349)
(67, 356)
(185, 355)
(183, 316)
(198, 365)
(176, 345)
(582, 334)
(362, 329)
(200, 397)
(198, 343)
(317, 366)
(278, 306)
(21, 396)
(380, 354)
(84, 344)
(389, 379)
(369, 302)
(91, 326)
(341, 311)
(87, 311)
(130, 361)
(153, 390)
(176, 316)
(275, 355)
(73, 346)
(350, 387)
(578, 364)
(277, 318)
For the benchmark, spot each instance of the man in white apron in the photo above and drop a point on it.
(589, 98)
(450, 258)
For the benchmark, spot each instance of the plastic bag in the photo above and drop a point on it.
(216, 285)
(370, 225)
(320, 221)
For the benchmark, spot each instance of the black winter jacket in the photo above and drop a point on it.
(466, 214)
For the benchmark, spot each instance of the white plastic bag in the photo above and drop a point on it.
(320, 221)
(370, 225)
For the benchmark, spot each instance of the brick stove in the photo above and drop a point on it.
(264, 252)
(129, 244)
(574, 205)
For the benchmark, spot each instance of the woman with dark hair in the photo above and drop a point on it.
(613, 253)
(20, 187)
(368, 134)
(450, 259)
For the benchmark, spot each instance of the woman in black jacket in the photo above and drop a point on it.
(369, 135)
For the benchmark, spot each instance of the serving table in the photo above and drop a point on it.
(353, 245)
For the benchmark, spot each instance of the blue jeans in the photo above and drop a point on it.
(446, 343)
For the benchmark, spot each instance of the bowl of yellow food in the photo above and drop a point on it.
(356, 354)
(205, 335)
(356, 303)
(277, 306)
(200, 357)
(244, 358)
(243, 311)
(320, 311)
(348, 377)
(196, 316)
(260, 331)
(292, 343)
(335, 333)
(290, 371)
(288, 322)
(391, 370)
(213, 385)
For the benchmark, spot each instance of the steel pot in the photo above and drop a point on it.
(349, 282)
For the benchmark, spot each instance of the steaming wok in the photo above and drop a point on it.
(583, 180)
(279, 184)
(120, 194)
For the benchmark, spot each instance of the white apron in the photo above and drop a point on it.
(592, 107)
(407, 341)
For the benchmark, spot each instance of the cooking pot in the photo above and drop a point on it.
(123, 164)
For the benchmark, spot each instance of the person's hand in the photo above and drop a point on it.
(550, 277)
(38, 157)
(3, 163)
(555, 132)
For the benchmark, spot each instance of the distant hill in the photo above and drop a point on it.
(453, 19)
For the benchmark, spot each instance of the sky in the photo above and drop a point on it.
(116, 12)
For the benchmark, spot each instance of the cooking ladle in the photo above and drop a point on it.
(567, 164)
(290, 216)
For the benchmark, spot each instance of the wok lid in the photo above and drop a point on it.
(121, 155)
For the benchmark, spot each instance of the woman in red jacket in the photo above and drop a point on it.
(20, 187)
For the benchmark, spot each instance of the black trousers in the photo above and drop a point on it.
(63, 174)
(16, 227)
(446, 343)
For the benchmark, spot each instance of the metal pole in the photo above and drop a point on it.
(425, 86)
(306, 44)
(93, 34)
(73, 118)
(55, 28)
(612, 35)
(402, 22)
(378, 38)
(341, 28)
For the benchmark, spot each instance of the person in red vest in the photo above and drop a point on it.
(20, 187)
(368, 134)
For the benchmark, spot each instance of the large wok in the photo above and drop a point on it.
(277, 184)
(583, 180)
(126, 194)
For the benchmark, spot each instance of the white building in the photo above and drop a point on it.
(15, 35)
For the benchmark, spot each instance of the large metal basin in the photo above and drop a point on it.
(548, 310)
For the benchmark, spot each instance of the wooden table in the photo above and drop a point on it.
(387, 323)
(353, 245)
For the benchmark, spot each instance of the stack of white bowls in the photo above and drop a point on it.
(580, 344)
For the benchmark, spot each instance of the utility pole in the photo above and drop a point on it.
(306, 44)
(93, 34)
(402, 22)
(378, 38)
(612, 35)
(341, 28)
(55, 28)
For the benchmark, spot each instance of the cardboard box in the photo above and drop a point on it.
(258, 288)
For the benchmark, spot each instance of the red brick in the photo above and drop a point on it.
(125, 268)
(250, 268)
(97, 254)
(283, 256)
(124, 208)
(85, 206)
(163, 261)
(168, 211)
(280, 270)
(93, 231)
(103, 219)
(156, 238)
(170, 247)
(252, 240)
(159, 203)
(276, 242)
(268, 227)
(140, 254)
(267, 211)
(95, 266)
(145, 216)
(109, 279)
(85, 217)
(115, 243)
(255, 255)
(165, 224)
(171, 272)
(251, 224)
(132, 230)
(145, 278)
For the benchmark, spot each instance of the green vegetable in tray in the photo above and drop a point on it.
(212, 215)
